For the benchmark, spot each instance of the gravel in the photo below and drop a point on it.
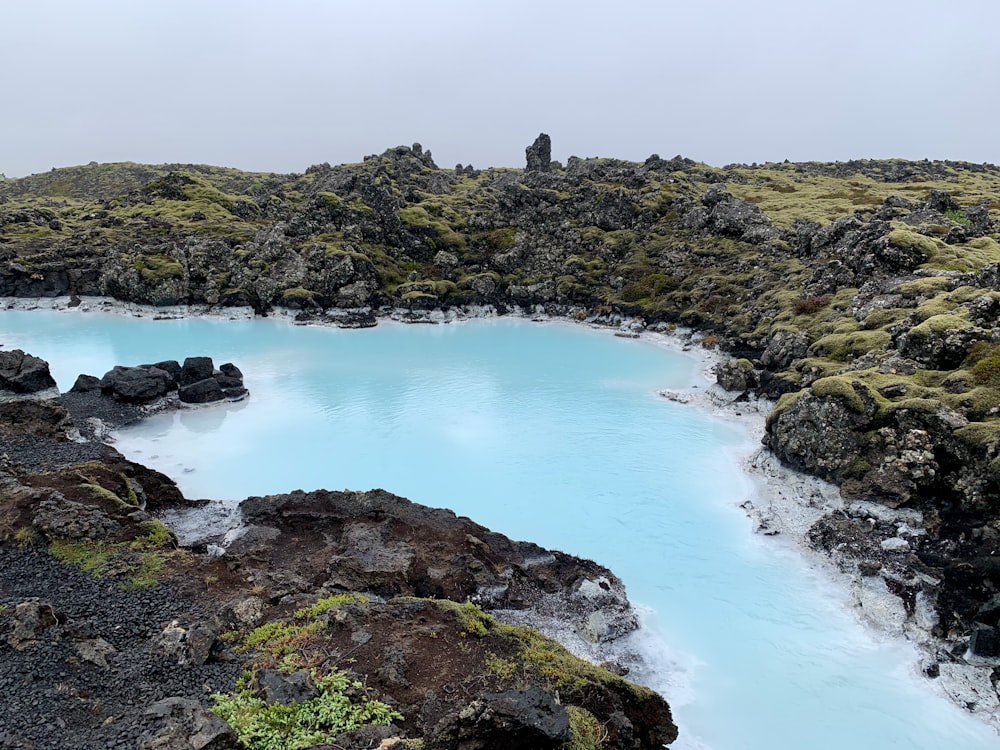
(53, 699)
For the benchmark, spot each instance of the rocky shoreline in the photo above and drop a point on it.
(805, 510)
(389, 593)
(861, 545)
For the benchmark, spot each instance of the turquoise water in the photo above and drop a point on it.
(552, 433)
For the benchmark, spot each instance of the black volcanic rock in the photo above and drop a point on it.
(24, 373)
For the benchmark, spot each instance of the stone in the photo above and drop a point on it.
(985, 641)
(196, 369)
(514, 720)
(24, 373)
(183, 724)
(136, 384)
(30, 620)
(275, 686)
(735, 375)
(86, 384)
(201, 392)
(539, 154)
(95, 650)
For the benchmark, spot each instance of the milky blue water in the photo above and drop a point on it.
(552, 433)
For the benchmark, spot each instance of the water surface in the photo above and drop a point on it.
(552, 433)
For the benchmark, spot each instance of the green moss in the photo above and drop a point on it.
(297, 293)
(327, 603)
(907, 240)
(90, 556)
(939, 324)
(560, 669)
(842, 347)
(155, 269)
(841, 387)
(470, 616)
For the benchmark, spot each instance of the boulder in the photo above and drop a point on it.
(515, 720)
(30, 620)
(735, 375)
(137, 384)
(196, 369)
(24, 373)
(86, 384)
(183, 724)
(201, 391)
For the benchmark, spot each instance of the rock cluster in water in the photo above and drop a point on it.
(195, 382)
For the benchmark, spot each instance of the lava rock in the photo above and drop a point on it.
(24, 373)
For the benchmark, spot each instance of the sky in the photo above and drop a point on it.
(269, 86)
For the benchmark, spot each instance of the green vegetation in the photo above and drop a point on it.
(339, 706)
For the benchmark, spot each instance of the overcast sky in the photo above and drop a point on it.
(280, 86)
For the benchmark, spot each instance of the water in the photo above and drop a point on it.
(552, 433)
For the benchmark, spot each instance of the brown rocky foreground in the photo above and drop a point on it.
(330, 614)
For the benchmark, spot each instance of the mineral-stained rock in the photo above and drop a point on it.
(24, 373)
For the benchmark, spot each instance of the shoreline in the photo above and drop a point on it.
(782, 502)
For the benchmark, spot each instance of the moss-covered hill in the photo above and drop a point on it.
(866, 292)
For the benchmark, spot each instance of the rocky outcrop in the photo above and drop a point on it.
(539, 154)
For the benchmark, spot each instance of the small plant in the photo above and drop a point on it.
(25, 536)
(958, 216)
(340, 705)
(502, 668)
(586, 732)
(153, 535)
(808, 304)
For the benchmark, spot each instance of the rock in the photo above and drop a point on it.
(275, 686)
(783, 348)
(30, 620)
(969, 686)
(137, 384)
(24, 373)
(229, 376)
(515, 720)
(539, 154)
(95, 650)
(188, 645)
(985, 641)
(183, 724)
(86, 384)
(196, 369)
(895, 544)
(201, 392)
(59, 516)
(735, 375)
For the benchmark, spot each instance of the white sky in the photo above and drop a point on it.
(280, 86)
